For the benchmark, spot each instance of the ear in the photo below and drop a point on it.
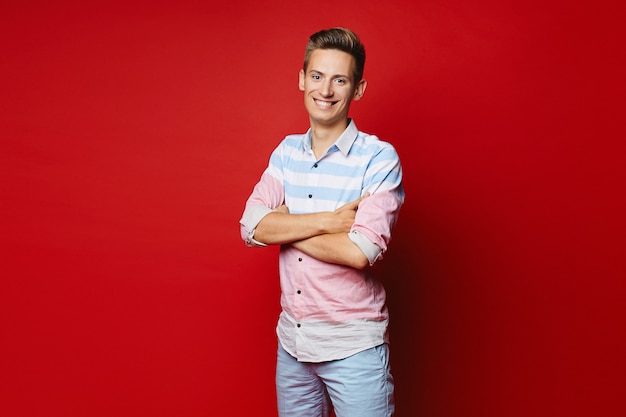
(301, 80)
(359, 90)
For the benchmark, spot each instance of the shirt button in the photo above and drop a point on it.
(299, 292)
(299, 325)
(314, 165)
(299, 259)
(310, 195)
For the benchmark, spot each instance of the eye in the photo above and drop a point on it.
(341, 81)
(316, 77)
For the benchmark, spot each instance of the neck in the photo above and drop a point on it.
(323, 136)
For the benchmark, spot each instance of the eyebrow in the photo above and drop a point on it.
(334, 76)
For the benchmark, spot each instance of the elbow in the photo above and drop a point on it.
(360, 261)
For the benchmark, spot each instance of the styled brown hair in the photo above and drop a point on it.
(342, 39)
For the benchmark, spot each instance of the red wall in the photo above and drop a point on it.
(132, 134)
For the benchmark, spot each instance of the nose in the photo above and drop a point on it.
(326, 89)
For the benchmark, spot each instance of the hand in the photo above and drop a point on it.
(343, 218)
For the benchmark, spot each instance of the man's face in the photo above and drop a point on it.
(328, 86)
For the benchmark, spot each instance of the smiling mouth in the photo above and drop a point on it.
(324, 104)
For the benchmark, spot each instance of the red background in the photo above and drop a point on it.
(132, 133)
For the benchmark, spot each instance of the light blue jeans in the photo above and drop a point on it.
(358, 386)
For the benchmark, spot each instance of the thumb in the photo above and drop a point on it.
(363, 197)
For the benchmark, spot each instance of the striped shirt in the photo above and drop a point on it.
(331, 311)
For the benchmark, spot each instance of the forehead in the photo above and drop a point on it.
(331, 62)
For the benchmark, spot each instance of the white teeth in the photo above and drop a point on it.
(324, 103)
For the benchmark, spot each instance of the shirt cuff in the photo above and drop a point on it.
(371, 250)
(250, 220)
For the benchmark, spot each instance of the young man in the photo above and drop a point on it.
(330, 198)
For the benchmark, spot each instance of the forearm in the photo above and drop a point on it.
(279, 227)
(336, 248)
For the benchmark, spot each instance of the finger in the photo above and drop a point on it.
(363, 197)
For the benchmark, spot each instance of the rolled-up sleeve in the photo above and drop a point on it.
(375, 219)
(268, 194)
(251, 218)
(369, 249)
(378, 213)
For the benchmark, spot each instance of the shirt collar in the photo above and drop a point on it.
(344, 141)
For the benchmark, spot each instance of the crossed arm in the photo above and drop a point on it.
(323, 235)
